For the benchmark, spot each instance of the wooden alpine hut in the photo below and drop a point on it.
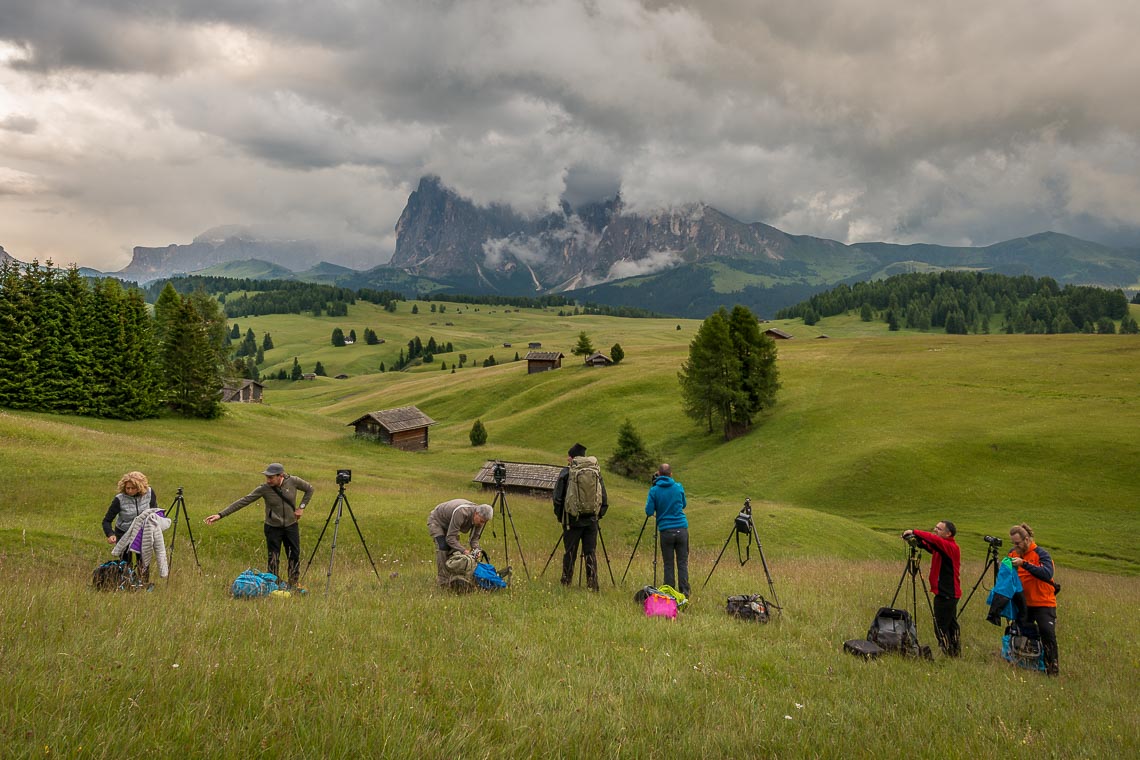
(405, 427)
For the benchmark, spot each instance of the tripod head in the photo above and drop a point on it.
(179, 494)
(743, 521)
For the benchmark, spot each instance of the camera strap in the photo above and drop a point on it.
(288, 502)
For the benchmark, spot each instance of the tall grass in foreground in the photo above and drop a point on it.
(392, 668)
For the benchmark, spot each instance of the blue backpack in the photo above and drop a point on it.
(487, 578)
(252, 584)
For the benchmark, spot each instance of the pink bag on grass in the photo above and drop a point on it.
(659, 605)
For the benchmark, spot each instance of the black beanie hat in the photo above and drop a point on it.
(577, 450)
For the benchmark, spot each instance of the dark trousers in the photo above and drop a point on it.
(946, 625)
(291, 536)
(675, 545)
(588, 536)
(1046, 620)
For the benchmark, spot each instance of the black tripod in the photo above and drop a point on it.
(744, 525)
(338, 508)
(500, 502)
(634, 552)
(991, 561)
(177, 509)
(582, 565)
(914, 570)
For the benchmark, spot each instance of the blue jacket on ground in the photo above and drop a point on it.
(667, 501)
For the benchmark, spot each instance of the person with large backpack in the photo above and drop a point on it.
(666, 502)
(134, 497)
(580, 501)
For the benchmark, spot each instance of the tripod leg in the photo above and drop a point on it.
(362, 541)
(764, 564)
(635, 545)
(318, 544)
(174, 510)
(518, 544)
(340, 501)
(552, 551)
(722, 549)
(189, 531)
(655, 537)
(606, 554)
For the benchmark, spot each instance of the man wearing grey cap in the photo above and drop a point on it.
(282, 511)
(446, 522)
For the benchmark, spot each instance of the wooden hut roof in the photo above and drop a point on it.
(776, 332)
(547, 356)
(522, 474)
(401, 418)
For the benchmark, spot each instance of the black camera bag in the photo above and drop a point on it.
(868, 650)
(893, 630)
(749, 607)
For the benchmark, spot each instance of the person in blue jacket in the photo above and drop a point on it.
(666, 502)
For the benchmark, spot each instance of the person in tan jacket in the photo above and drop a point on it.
(282, 512)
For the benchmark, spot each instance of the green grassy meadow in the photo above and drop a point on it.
(874, 432)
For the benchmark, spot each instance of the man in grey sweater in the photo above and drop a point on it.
(446, 522)
(281, 515)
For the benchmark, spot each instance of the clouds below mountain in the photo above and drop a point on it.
(143, 124)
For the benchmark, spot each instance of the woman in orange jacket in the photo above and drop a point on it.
(1035, 569)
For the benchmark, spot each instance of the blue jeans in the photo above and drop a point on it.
(675, 544)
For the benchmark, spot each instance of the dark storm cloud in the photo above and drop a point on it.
(871, 119)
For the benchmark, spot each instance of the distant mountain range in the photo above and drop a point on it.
(685, 262)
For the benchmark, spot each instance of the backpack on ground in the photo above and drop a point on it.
(868, 650)
(644, 593)
(1023, 649)
(894, 631)
(749, 607)
(659, 605)
(583, 487)
(252, 584)
(114, 575)
(487, 577)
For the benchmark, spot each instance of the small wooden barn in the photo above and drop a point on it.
(522, 477)
(777, 334)
(242, 392)
(405, 427)
(598, 359)
(540, 361)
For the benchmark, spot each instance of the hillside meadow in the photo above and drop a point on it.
(873, 432)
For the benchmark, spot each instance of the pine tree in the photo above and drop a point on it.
(352, 335)
(267, 343)
(584, 347)
(630, 458)
(18, 373)
(617, 353)
(296, 374)
(235, 333)
(709, 377)
(193, 358)
(338, 337)
(415, 309)
(319, 370)
(478, 434)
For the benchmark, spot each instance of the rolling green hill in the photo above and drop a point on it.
(882, 430)
(873, 432)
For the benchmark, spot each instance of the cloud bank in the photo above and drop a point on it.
(128, 124)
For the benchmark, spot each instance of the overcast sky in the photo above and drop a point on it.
(128, 123)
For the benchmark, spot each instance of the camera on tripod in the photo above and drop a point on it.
(992, 541)
(499, 472)
(343, 476)
(744, 519)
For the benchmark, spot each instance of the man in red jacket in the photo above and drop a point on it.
(945, 559)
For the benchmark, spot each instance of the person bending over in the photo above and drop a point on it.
(445, 524)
